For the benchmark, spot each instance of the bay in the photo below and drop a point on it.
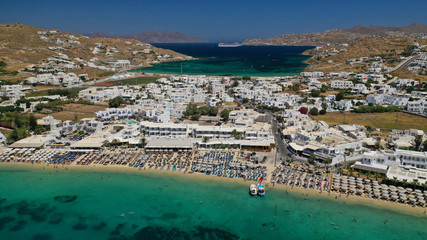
(96, 204)
(233, 61)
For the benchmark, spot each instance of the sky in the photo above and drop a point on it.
(214, 21)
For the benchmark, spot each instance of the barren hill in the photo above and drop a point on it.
(344, 58)
(22, 45)
(340, 36)
(153, 37)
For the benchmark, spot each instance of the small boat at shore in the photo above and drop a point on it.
(261, 190)
(253, 190)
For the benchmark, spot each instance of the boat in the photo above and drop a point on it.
(236, 44)
(253, 190)
(261, 190)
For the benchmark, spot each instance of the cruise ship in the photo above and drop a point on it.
(236, 44)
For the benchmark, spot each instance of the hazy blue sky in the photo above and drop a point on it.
(217, 20)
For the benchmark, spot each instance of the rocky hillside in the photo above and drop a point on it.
(153, 37)
(341, 36)
(22, 45)
(346, 58)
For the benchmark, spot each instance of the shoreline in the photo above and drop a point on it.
(333, 196)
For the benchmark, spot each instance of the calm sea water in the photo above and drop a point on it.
(72, 204)
(234, 61)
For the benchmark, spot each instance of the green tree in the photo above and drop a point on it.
(425, 146)
(17, 121)
(235, 84)
(314, 111)
(326, 162)
(213, 111)
(237, 134)
(322, 112)
(324, 105)
(143, 142)
(339, 96)
(225, 114)
(315, 93)
(195, 117)
(32, 122)
(311, 159)
(191, 110)
(39, 130)
(205, 139)
(245, 100)
(295, 87)
(116, 102)
(418, 141)
(324, 88)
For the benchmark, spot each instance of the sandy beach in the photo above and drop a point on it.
(416, 211)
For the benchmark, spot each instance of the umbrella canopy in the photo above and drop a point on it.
(409, 189)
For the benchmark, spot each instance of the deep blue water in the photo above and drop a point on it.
(240, 61)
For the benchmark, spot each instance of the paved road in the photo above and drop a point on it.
(282, 148)
(407, 62)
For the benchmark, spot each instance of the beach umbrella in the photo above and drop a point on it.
(409, 189)
(417, 190)
(384, 186)
(422, 201)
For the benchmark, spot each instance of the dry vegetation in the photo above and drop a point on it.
(73, 110)
(366, 47)
(20, 46)
(376, 120)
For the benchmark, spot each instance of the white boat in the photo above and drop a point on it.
(236, 44)
(261, 189)
(253, 190)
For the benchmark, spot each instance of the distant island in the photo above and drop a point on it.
(152, 37)
(342, 36)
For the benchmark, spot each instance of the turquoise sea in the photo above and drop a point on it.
(234, 61)
(91, 204)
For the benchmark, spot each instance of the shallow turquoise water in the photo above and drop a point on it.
(235, 61)
(157, 206)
